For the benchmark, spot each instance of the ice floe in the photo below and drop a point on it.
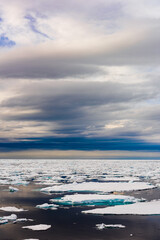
(38, 227)
(102, 226)
(12, 209)
(3, 222)
(94, 199)
(13, 189)
(6, 219)
(99, 187)
(46, 206)
(23, 220)
(140, 208)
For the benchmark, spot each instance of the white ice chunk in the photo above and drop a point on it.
(3, 222)
(78, 199)
(23, 220)
(99, 187)
(13, 189)
(12, 209)
(46, 206)
(140, 208)
(101, 226)
(38, 227)
(11, 217)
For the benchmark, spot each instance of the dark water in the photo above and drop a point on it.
(69, 223)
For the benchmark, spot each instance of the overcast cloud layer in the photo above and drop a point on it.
(85, 73)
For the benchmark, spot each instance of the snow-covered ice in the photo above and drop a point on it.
(55, 172)
(38, 227)
(102, 226)
(140, 208)
(13, 189)
(46, 206)
(23, 220)
(6, 219)
(3, 222)
(11, 217)
(94, 199)
(99, 187)
(12, 209)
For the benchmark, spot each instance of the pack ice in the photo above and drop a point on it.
(139, 208)
(99, 187)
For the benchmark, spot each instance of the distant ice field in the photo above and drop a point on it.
(84, 183)
(55, 172)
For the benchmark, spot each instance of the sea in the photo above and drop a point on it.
(63, 199)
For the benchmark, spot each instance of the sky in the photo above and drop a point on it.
(80, 79)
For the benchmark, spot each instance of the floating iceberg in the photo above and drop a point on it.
(46, 206)
(94, 199)
(102, 226)
(12, 209)
(99, 187)
(140, 208)
(38, 227)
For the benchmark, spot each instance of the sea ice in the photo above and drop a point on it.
(38, 227)
(103, 226)
(99, 187)
(13, 189)
(3, 222)
(46, 206)
(12, 209)
(22, 220)
(94, 199)
(140, 208)
(6, 219)
(11, 217)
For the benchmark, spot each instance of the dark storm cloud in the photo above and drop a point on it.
(78, 143)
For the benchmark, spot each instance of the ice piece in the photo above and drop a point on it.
(102, 226)
(11, 217)
(6, 219)
(46, 206)
(23, 220)
(38, 227)
(12, 209)
(140, 208)
(13, 189)
(99, 187)
(3, 222)
(94, 199)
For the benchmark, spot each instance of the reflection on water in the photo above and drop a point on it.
(70, 223)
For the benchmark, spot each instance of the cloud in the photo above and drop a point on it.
(79, 69)
(76, 108)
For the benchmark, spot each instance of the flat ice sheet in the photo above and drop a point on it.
(12, 209)
(46, 206)
(89, 199)
(140, 208)
(99, 187)
(38, 227)
(102, 226)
